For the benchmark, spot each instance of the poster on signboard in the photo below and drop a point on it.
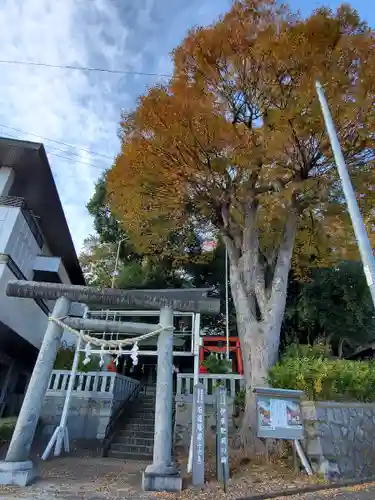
(264, 413)
(276, 413)
(279, 416)
(293, 413)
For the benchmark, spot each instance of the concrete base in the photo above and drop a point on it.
(17, 473)
(159, 481)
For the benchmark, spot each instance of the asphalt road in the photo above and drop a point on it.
(352, 493)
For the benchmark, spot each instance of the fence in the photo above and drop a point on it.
(185, 384)
(95, 384)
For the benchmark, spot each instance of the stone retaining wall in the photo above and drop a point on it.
(340, 438)
(88, 417)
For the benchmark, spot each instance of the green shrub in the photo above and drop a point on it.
(7, 426)
(239, 399)
(327, 379)
(64, 360)
(307, 351)
(216, 365)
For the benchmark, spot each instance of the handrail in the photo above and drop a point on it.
(110, 429)
(31, 220)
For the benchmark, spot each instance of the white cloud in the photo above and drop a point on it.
(82, 108)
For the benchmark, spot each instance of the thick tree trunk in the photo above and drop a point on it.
(260, 346)
(259, 327)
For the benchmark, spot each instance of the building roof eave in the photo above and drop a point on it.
(35, 183)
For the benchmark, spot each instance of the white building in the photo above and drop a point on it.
(35, 244)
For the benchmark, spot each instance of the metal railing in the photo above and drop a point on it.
(185, 385)
(115, 418)
(7, 259)
(18, 202)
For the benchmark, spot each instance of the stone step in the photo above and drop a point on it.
(133, 427)
(141, 419)
(130, 456)
(125, 433)
(144, 414)
(148, 413)
(138, 413)
(150, 405)
(140, 449)
(126, 441)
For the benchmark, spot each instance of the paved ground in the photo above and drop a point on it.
(72, 478)
(92, 491)
(362, 492)
(85, 475)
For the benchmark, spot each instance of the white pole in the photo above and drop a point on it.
(196, 348)
(360, 232)
(303, 457)
(196, 340)
(226, 301)
(61, 435)
(116, 262)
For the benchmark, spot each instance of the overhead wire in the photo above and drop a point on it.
(73, 67)
(84, 68)
(78, 161)
(56, 142)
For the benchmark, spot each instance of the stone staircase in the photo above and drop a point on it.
(134, 438)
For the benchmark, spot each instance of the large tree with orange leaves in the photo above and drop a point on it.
(236, 142)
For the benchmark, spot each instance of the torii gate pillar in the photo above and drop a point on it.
(17, 468)
(162, 474)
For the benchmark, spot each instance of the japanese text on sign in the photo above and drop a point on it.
(198, 436)
(223, 425)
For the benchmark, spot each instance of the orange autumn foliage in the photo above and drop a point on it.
(236, 142)
(240, 120)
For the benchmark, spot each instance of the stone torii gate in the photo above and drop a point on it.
(161, 475)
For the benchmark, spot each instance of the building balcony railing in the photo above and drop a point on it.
(18, 202)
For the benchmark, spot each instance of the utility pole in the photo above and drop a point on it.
(360, 232)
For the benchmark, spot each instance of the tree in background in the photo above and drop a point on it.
(238, 135)
(333, 307)
(97, 260)
(194, 268)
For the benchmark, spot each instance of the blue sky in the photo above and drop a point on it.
(83, 109)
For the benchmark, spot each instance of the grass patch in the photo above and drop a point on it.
(6, 428)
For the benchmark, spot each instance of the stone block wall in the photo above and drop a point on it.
(88, 416)
(340, 438)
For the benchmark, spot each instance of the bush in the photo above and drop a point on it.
(7, 426)
(64, 360)
(307, 351)
(216, 365)
(326, 379)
